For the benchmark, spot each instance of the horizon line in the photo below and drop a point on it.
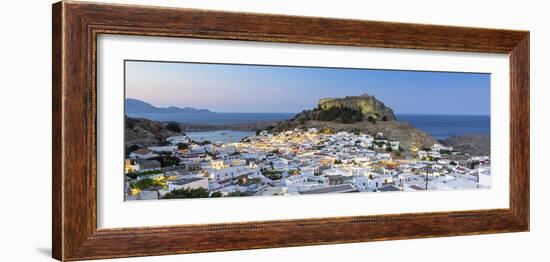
(397, 114)
(229, 112)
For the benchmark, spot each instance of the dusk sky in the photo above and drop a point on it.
(280, 89)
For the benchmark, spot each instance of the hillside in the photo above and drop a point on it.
(409, 137)
(363, 113)
(144, 132)
(367, 105)
(472, 144)
(135, 106)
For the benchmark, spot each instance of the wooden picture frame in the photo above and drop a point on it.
(76, 26)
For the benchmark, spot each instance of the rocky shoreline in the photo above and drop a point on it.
(251, 126)
(145, 132)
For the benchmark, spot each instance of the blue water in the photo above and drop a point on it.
(215, 118)
(443, 126)
(224, 136)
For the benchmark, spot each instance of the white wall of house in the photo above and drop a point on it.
(178, 140)
(203, 182)
(484, 176)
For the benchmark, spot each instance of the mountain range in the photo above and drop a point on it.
(136, 106)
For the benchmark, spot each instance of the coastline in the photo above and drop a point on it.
(248, 126)
(471, 142)
(468, 142)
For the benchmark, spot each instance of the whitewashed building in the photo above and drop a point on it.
(175, 140)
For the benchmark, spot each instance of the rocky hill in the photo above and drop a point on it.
(347, 110)
(368, 105)
(363, 113)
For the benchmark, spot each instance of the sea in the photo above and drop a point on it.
(215, 118)
(439, 126)
(443, 126)
(225, 136)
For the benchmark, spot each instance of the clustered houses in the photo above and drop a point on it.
(302, 162)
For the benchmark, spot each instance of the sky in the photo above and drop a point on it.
(285, 89)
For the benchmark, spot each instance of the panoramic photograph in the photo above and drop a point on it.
(207, 130)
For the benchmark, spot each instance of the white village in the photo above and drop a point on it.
(297, 162)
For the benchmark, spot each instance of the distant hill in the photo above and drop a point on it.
(136, 106)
